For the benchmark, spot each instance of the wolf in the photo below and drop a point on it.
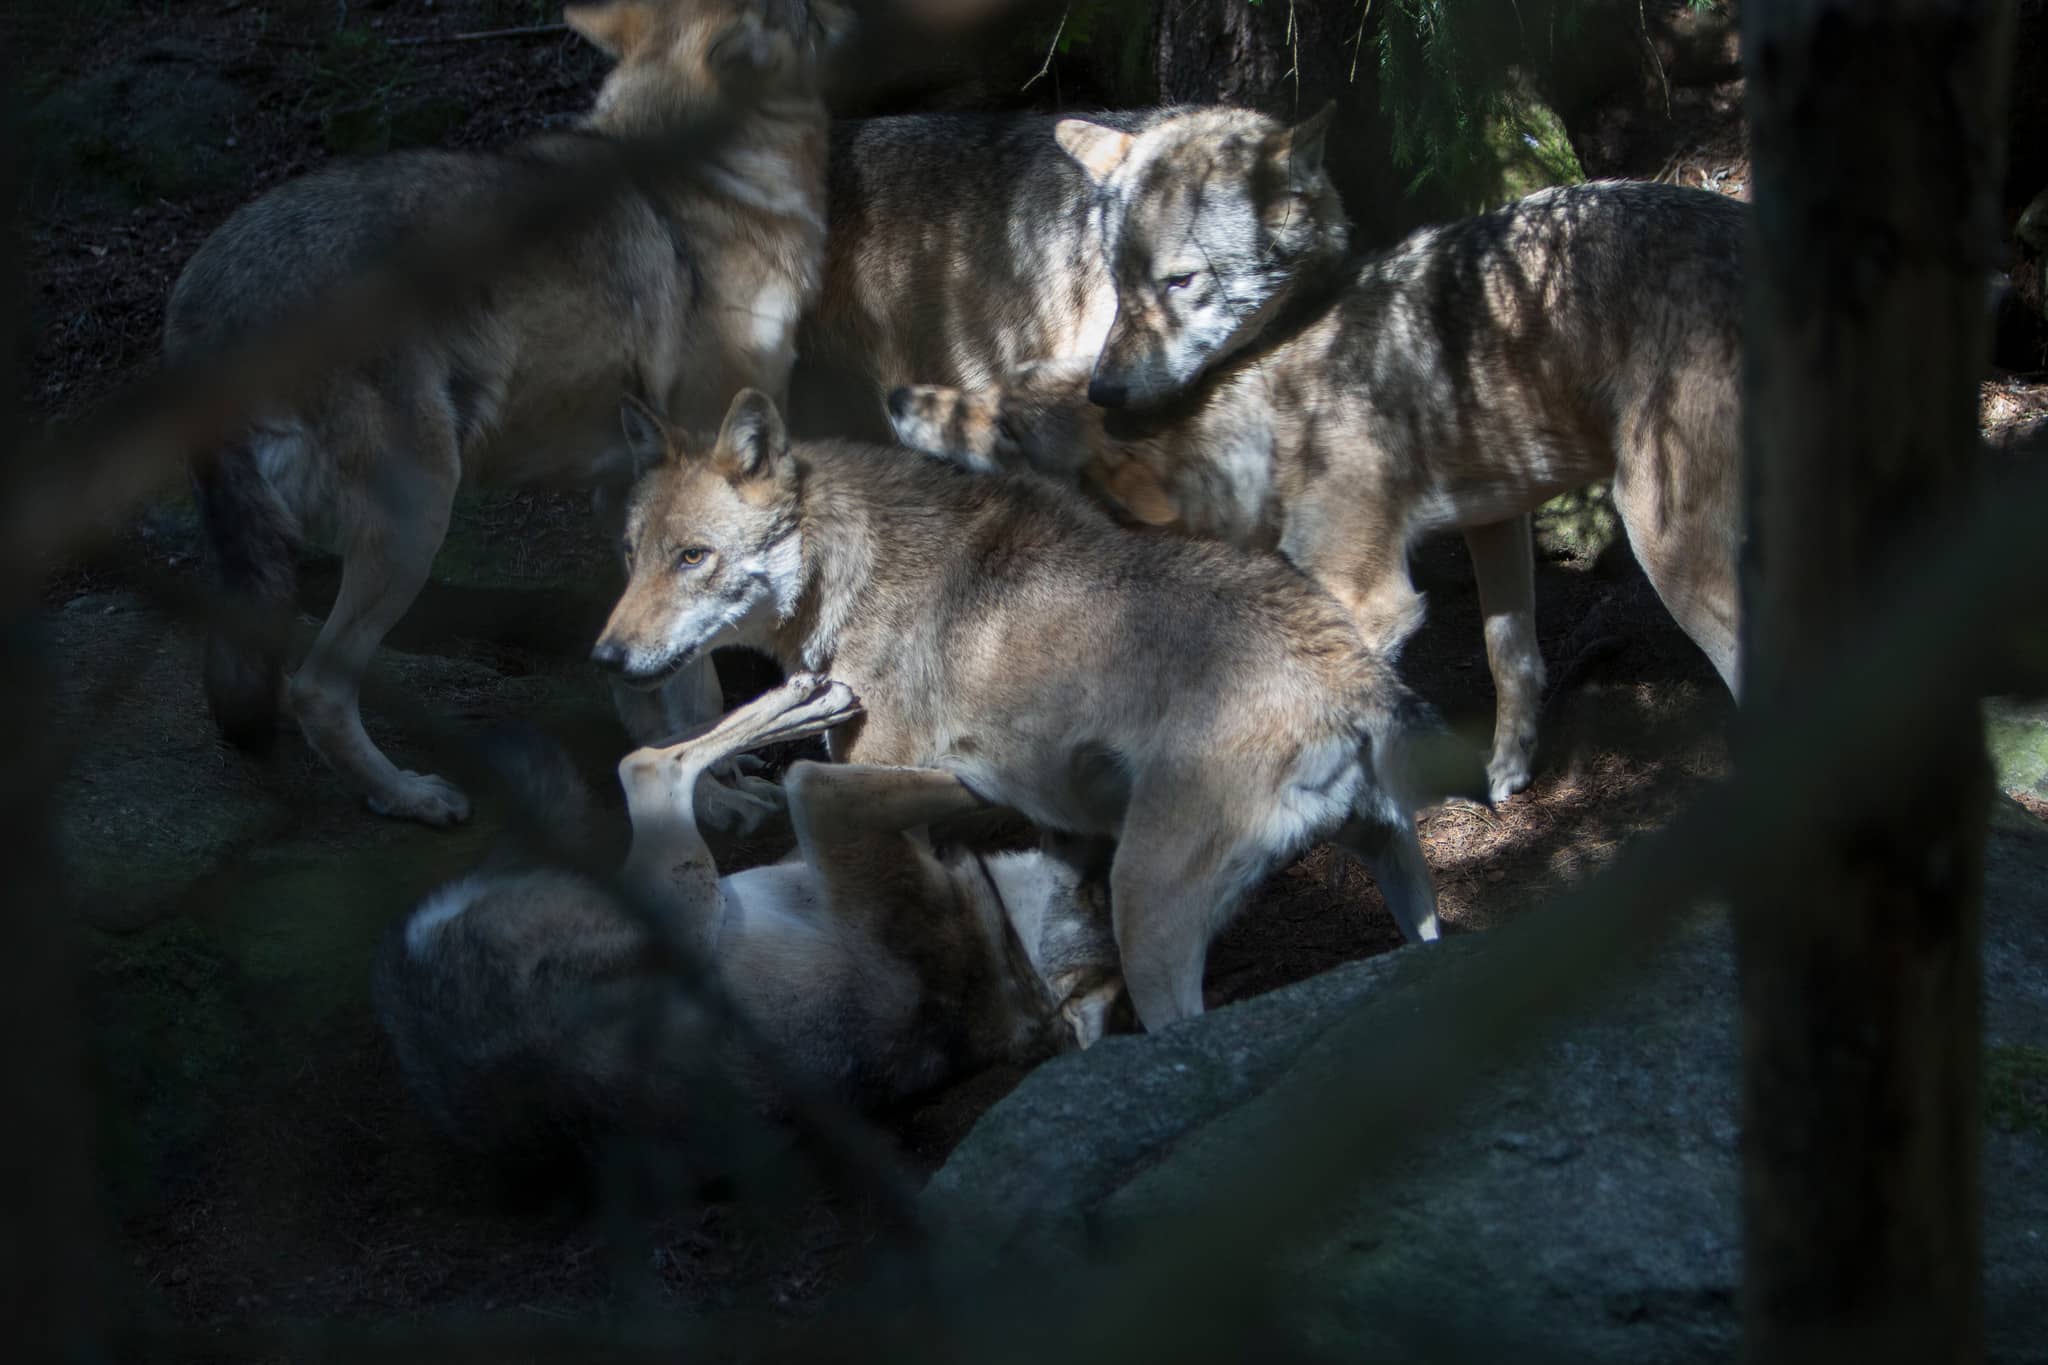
(965, 245)
(1459, 380)
(530, 1011)
(1207, 709)
(680, 293)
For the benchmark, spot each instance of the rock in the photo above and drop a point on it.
(228, 905)
(161, 124)
(1582, 1206)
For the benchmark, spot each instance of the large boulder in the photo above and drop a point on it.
(161, 124)
(1583, 1204)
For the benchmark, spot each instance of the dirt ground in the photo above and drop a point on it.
(264, 1165)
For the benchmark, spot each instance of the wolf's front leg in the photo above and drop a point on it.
(668, 856)
(729, 798)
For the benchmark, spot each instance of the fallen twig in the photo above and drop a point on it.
(483, 35)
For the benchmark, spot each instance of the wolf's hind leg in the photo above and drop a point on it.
(854, 826)
(1392, 853)
(1183, 867)
(394, 533)
(1503, 563)
(1678, 488)
(835, 804)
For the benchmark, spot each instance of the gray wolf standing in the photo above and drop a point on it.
(679, 294)
(1208, 709)
(1462, 377)
(529, 1008)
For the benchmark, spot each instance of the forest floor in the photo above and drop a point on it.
(265, 1165)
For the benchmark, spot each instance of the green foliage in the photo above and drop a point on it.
(1449, 73)
(1115, 32)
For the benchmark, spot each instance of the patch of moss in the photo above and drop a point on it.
(2016, 1089)
(2016, 733)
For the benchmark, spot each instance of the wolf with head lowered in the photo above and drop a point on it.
(1206, 708)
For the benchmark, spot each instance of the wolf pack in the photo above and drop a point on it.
(1114, 540)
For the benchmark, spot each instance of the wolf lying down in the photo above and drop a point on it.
(1206, 708)
(515, 997)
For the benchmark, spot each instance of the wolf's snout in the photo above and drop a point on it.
(1108, 393)
(609, 655)
(900, 400)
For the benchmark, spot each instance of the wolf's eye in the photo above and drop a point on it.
(692, 557)
(1180, 281)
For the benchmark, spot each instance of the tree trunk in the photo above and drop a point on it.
(1875, 128)
(2027, 123)
(56, 1301)
(1286, 60)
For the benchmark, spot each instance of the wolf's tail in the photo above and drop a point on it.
(253, 542)
(1418, 760)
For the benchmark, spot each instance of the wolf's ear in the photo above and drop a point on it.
(752, 444)
(1100, 150)
(1300, 149)
(615, 27)
(647, 436)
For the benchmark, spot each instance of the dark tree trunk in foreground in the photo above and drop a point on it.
(1287, 61)
(55, 1302)
(1876, 129)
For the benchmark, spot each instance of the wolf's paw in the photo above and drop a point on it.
(423, 797)
(738, 803)
(809, 703)
(1506, 776)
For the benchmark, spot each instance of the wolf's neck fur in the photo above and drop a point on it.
(769, 167)
(837, 534)
(863, 512)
